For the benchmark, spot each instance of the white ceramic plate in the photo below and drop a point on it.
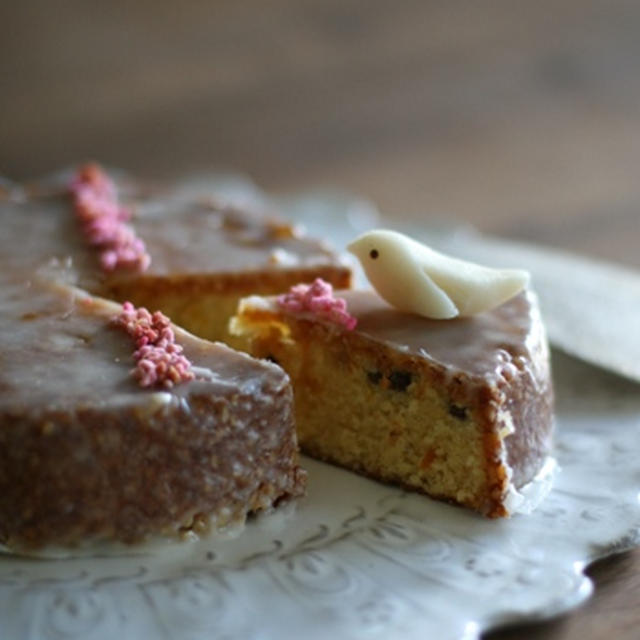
(357, 559)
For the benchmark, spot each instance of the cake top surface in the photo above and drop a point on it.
(60, 350)
(182, 235)
(480, 345)
(485, 345)
(196, 237)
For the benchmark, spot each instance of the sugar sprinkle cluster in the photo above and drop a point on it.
(318, 298)
(159, 360)
(104, 221)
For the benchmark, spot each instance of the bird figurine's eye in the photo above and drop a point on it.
(373, 254)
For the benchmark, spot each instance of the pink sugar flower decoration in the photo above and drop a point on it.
(92, 177)
(159, 359)
(318, 299)
(103, 219)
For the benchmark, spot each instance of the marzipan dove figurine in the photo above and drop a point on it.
(414, 278)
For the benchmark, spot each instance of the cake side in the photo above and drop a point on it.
(204, 303)
(206, 256)
(86, 454)
(406, 400)
(527, 411)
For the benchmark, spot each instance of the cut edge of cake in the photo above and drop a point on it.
(405, 418)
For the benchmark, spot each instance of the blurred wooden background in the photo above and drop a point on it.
(522, 118)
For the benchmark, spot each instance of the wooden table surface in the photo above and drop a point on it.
(520, 118)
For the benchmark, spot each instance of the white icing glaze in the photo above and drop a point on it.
(283, 257)
(414, 278)
(527, 498)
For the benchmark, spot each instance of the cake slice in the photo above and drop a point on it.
(458, 409)
(88, 454)
(196, 258)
